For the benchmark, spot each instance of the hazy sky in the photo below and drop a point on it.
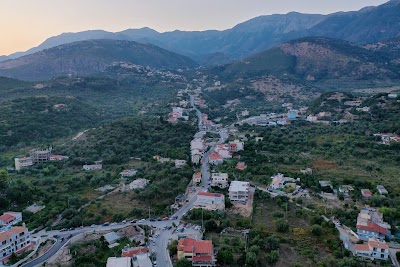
(27, 23)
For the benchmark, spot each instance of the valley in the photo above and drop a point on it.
(273, 143)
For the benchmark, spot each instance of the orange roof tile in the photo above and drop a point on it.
(209, 194)
(372, 227)
(203, 247)
(363, 247)
(7, 218)
(377, 244)
(13, 231)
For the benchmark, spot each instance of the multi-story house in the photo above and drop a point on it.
(40, 155)
(374, 249)
(199, 252)
(14, 240)
(197, 178)
(219, 179)
(370, 224)
(216, 159)
(239, 191)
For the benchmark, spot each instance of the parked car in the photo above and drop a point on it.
(165, 219)
(106, 224)
(174, 217)
(133, 221)
(93, 226)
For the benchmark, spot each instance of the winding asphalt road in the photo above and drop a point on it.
(161, 242)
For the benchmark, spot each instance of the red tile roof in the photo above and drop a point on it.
(197, 175)
(186, 244)
(376, 244)
(362, 247)
(372, 227)
(134, 251)
(13, 231)
(209, 194)
(203, 247)
(6, 218)
(215, 156)
(240, 165)
(195, 246)
(202, 258)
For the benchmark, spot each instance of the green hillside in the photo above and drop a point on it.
(89, 57)
(37, 119)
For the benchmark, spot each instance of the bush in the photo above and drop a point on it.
(282, 226)
(317, 230)
(273, 257)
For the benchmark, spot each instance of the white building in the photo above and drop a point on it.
(210, 201)
(92, 167)
(311, 118)
(128, 173)
(382, 190)
(223, 151)
(239, 191)
(215, 159)
(139, 184)
(22, 163)
(235, 146)
(197, 178)
(10, 218)
(14, 240)
(219, 179)
(119, 262)
(374, 249)
(141, 260)
(196, 156)
(198, 144)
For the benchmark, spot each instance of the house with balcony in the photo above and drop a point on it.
(374, 250)
(216, 159)
(14, 240)
(219, 179)
(197, 178)
(239, 191)
(370, 224)
(199, 252)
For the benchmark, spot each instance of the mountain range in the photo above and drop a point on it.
(89, 57)
(320, 59)
(368, 25)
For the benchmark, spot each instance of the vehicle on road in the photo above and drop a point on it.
(133, 221)
(106, 224)
(165, 219)
(93, 226)
(141, 220)
(63, 230)
(174, 217)
(124, 221)
(44, 236)
(114, 223)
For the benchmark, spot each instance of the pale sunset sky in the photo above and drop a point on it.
(26, 23)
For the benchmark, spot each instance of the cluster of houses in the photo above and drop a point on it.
(179, 163)
(224, 151)
(271, 119)
(372, 229)
(37, 156)
(13, 239)
(176, 114)
(346, 190)
(197, 148)
(131, 257)
(386, 138)
(198, 101)
(279, 181)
